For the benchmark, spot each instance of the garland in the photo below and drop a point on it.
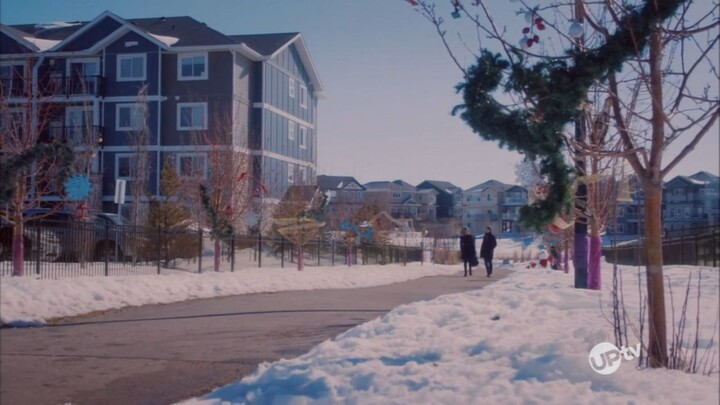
(557, 90)
(220, 226)
(16, 165)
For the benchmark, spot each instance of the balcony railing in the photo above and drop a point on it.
(12, 88)
(74, 86)
(76, 135)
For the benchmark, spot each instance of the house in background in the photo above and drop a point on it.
(691, 202)
(515, 197)
(346, 196)
(402, 200)
(260, 90)
(449, 198)
(481, 206)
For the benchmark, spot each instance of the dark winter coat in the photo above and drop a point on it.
(488, 246)
(467, 248)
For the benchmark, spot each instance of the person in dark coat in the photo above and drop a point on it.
(468, 254)
(487, 248)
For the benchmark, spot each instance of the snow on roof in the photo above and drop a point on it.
(169, 41)
(55, 24)
(41, 44)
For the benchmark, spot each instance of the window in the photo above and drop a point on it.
(129, 117)
(191, 165)
(687, 212)
(130, 67)
(192, 67)
(191, 116)
(291, 131)
(679, 212)
(124, 162)
(303, 137)
(291, 173)
(303, 96)
(13, 83)
(489, 197)
(302, 175)
(679, 191)
(291, 87)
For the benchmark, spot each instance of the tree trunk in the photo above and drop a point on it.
(18, 245)
(657, 345)
(301, 256)
(216, 253)
(594, 268)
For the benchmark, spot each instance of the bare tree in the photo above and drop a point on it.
(666, 50)
(33, 166)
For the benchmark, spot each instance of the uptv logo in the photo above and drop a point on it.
(605, 357)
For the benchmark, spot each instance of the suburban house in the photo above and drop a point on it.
(481, 206)
(515, 197)
(449, 198)
(175, 80)
(345, 196)
(402, 200)
(691, 202)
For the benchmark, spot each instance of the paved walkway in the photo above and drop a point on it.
(161, 354)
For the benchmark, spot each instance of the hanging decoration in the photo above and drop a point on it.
(77, 187)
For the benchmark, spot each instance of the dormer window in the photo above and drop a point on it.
(193, 66)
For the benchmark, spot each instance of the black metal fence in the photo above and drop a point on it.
(56, 250)
(688, 249)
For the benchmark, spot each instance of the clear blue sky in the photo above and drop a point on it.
(389, 84)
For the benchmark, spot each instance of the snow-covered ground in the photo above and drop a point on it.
(524, 339)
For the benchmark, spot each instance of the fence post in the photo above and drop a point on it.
(318, 250)
(159, 255)
(259, 250)
(200, 249)
(682, 249)
(232, 253)
(105, 251)
(333, 250)
(37, 250)
(282, 252)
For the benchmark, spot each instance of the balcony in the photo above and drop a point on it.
(74, 86)
(78, 136)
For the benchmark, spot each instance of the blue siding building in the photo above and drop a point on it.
(174, 78)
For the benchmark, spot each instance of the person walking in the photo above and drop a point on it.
(487, 248)
(468, 254)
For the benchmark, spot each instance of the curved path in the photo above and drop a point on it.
(161, 354)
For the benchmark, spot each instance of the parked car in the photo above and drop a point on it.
(47, 248)
(93, 238)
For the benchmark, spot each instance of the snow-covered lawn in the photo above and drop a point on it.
(523, 339)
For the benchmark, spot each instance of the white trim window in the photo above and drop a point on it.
(124, 163)
(291, 87)
(291, 131)
(303, 137)
(191, 116)
(129, 117)
(191, 165)
(192, 66)
(303, 96)
(13, 78)
(131, 67)
(291, 173)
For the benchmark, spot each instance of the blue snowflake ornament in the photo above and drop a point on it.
(77, 187)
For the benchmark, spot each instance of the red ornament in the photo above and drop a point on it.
(412, 2)
(526, 30)
(538, 20)
(541, 27)
(529, 42)
(536, 38)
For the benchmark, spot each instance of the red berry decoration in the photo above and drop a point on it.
(541, 27)
(536, 38)
(529, 42)
(538, 20)
(526, 30)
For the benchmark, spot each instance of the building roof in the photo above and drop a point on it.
(325, 182)
(489, 183)
(265, 44)
(168, 32)
(443, 186)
